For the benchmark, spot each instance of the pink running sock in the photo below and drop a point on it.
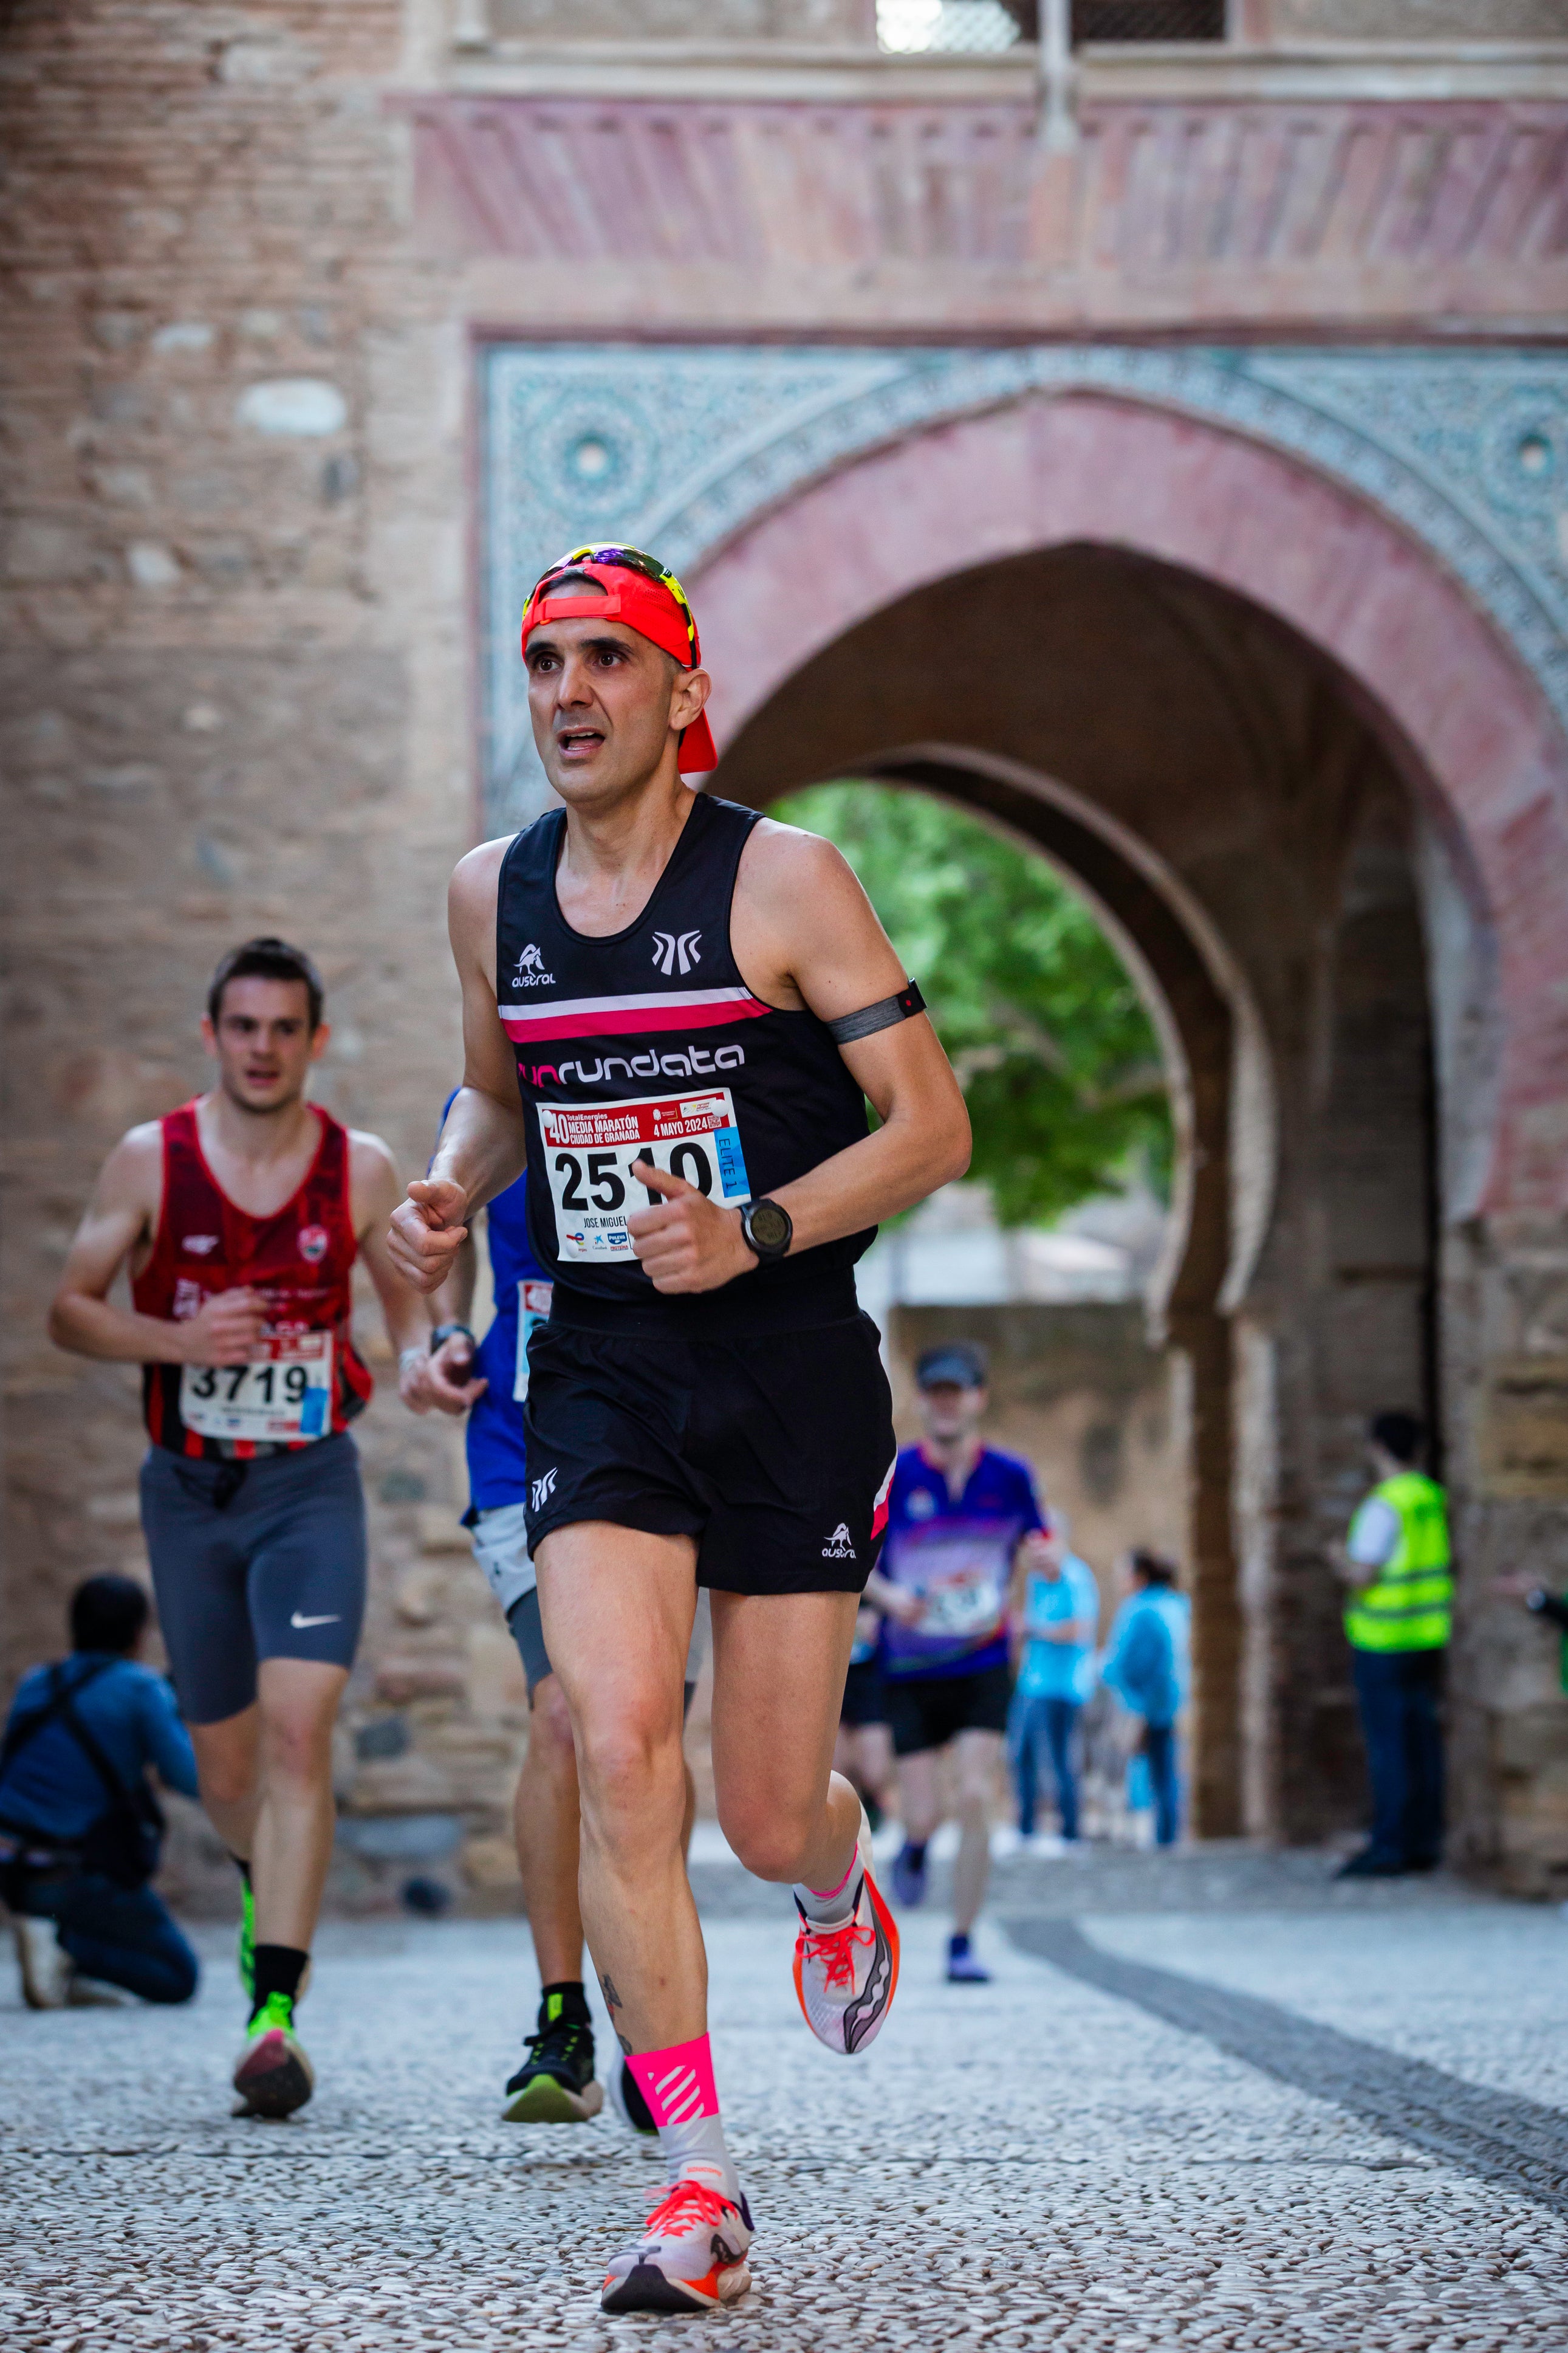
(683, 2101)
(677, 2082)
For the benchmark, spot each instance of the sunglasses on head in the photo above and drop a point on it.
(629, 559)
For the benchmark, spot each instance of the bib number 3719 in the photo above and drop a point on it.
(284, 1395)
(589, 1150)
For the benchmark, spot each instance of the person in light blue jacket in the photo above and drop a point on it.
(1147, 1665)
(1054, 1630)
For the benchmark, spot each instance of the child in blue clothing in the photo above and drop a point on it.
(1146, 1665)
(1054, 1630)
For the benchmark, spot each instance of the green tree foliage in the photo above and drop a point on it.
(1054, 1049)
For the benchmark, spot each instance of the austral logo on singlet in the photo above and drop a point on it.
(530, 972)
(676, 951)
(199, 1245)
(689, 1062)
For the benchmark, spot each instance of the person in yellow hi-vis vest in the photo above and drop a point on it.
(1398, 1613)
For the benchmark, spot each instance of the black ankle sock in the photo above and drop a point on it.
(278, 1970)
(240, 1866)
(565, 2000)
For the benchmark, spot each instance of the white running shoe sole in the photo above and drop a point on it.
(645, 2288)
(657, 2279)
(544, 2101)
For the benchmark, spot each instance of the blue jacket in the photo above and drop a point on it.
(498, 1458)
(1145, 1663)
(52, 1786)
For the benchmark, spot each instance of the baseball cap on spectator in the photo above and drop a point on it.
(961, 1362)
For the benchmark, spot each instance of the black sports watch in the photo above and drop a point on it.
(768, 1230)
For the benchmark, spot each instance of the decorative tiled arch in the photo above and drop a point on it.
(678, 447)
(1403, 510)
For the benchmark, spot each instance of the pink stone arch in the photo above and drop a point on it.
(1458, 710)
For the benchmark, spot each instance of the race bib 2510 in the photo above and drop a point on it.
(589, 1149)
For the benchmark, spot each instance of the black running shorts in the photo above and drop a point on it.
(774, 1453)
(927, 1710)
(865, 1696)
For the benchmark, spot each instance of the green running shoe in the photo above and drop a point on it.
(272, 2075)
(555, 2083)
(248, 1939)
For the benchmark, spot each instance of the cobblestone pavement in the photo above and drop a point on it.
(1031, 2164)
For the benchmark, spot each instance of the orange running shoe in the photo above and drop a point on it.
(846, 1975)
(690, 2258)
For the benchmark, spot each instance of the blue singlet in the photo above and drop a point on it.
(498, 1469)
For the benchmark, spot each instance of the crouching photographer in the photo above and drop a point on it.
(81, 1828)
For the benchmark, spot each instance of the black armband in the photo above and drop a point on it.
(872, 1017)
(446, 1331)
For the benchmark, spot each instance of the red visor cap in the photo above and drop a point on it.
(649, 608)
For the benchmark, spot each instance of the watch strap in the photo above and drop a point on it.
(447, 1331)
(766, 1252)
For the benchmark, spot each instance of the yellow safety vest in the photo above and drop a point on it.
(1409, 1605)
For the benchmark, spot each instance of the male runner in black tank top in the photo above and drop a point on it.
(689, 1001)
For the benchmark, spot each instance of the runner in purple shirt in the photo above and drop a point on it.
(957, 1512)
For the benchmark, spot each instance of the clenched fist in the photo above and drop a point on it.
(445, 1379)
(225, 1330)
(427, 1230)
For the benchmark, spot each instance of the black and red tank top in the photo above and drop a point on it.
(649, 1044)
(307, 1380)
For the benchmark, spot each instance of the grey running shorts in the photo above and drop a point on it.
(254, 1560)
(500, 1548)
(528, 1633)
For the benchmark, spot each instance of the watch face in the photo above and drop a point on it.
(769, 1225)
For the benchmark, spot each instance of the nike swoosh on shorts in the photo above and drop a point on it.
(333, 1618)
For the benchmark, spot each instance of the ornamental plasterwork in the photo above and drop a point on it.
(676, 447)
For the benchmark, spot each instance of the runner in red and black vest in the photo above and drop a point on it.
(674, 1011)
(240, 1216)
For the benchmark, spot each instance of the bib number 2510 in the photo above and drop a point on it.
(590, 1149)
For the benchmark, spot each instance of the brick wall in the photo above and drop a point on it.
(235, 700)
(236, 693)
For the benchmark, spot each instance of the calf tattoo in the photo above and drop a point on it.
(614, 1998)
